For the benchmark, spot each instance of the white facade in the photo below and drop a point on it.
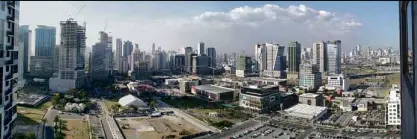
(393, 108)
(320, 55)
(338, 81)
(384, 60)
(240, 73)
(334, 57)
(310, 77)
(266, 56)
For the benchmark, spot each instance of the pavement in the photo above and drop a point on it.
(49, 126)
(114, 130)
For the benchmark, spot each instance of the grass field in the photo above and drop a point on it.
(185, 102)
(394, 79)
(110, 103)
(31, 116)
(76, 129)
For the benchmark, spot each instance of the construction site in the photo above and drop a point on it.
(166, 127)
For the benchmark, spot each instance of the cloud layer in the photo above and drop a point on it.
(236, 30)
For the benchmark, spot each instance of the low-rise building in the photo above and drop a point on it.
(185, 85)
(307, 111)
(311, 99)
(339, 81)
(260, 98)
(393, 108)
(213, 93)
(288, 100)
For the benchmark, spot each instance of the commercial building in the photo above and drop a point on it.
(294, 59)
(71, 58)
(190, 61)
(25, 36)
(334, 57)
(101, 59)
(310, 77)
(213, 93)
(270, 60)
(243, 66)
(118, 55)
(340, 81)
(41, 66)
(179, 63)
(393, 108)
(320, 56)
(45, 40)
(187, 51)
(9, 21)
(260, 98)
(311, 99)
(201, 65)
(186, 85)
(307, 111)
(200, 48)
(141, 70)
(211, 52)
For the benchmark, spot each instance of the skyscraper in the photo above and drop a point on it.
(118, 58)
(243, 65)
(9, 23)
(200, 48)
(310, 75)
(187, 52)
(101, 58)
(294, 57)
(71, 57)
(211, 52)
(334, 57)
(45, 40)
(320, 55)
(270, 59)
(127, 49)
(153, 47)
(25, 36)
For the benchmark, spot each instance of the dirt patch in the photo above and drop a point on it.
(157, 128)
(77, 129)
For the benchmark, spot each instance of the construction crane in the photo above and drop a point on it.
(105, 25)
(79, 11)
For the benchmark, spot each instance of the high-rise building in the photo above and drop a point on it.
(294, 57)
(211, 52)
(190, 61)
(101, 58)
(25, 36)
(200, 48)
(201, 64)
(320, 55)
(71, 57)
(153, 47)
(187, 51)
(179, 63)
(9, 23)
(358, 50)
(45, 40)
(334, 57)
(118, 58)
(127, 48)
(270, 60)
(56, 58)
(137, 56)
(243, 65)
(310, 76)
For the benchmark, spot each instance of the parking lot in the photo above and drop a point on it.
(267, 131)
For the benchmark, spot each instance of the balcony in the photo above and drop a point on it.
(10, 32)
(9, 76)
(8, 135)
(11, 3)
(8, 106)
(10, 47)
(9, 91)
(8, 62)
(10, 17)
(8, 118)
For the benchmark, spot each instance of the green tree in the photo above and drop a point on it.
(30, 135)
(115, 107)
(152, 104)
(72, 92)
(55, 99)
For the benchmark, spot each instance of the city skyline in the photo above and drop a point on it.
(221, 26)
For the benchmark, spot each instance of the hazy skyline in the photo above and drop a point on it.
(227, 26)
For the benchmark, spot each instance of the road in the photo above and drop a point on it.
(49, 126)
(189, 118)
(114, 130)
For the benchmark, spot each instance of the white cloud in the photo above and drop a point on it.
(231, 31)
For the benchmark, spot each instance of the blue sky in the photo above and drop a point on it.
(172, 25)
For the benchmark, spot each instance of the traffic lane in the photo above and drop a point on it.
(106, 128)
(49, 126)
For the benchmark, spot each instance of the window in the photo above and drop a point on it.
(3, 5)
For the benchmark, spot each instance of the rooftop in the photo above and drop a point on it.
(309, 95)
(213, 89)
(265, 79)
(305, 111)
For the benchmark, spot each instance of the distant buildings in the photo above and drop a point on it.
(334, 57)
(200, 48)
(320, 56)
(214, 93)
(201, 65)
(101, 58)
(41, 66)
(118, 55)
(45, 40)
